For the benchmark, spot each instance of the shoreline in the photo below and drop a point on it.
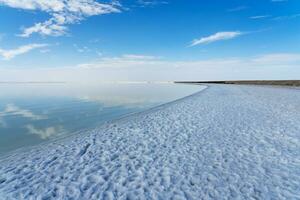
(101, 126)
(225, 141)
(293, 83)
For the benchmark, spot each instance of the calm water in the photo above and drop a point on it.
(35, 113)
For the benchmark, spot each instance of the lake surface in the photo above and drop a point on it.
(34, 113)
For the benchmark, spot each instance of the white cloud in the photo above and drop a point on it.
(277, 59)
(122, 68)
(260, 16)
(94, 41)
(126, 60)
(239, 8)
(216, 37)
(62, 12)
(50, 27)
(147, 3)
(45, 133)
(279, 0)
(45, 50)
(148, 62)
(9, 54)
(139, 57)
(12, 109)
(287, 17)
(81, 49)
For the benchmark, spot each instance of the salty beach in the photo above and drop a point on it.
(224, 142)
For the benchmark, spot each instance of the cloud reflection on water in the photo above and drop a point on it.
(12, 109)
(44, 133)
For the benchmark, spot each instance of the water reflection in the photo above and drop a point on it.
(33, 113)
(44, 133)
(11, 110)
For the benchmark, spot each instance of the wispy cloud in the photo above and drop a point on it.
(277, 59)
(62, 12)
(81, 49)
(148, 62)
(139, 57)
(286, 17)
(260, 16)
(11, 53)
(279, 0)
(12, 109)
(147, 3)
(216, 37)
(44, 133)
(238, 8)
(126, 60)
(94, 41)
(267, 66)
(45, 50)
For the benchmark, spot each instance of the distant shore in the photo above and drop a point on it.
(250, 82)
(32, 82)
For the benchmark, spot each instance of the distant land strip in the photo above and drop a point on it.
(32, 82)
(250, 82)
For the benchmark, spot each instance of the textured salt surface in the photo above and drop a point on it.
(226, 142)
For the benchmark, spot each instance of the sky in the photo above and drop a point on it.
(149, 40)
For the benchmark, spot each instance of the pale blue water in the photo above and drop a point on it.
(34, 113)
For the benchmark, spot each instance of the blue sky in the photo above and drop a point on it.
(149, 40)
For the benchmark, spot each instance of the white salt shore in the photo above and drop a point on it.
(225, 142)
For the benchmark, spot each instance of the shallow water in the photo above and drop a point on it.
(34, 113)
